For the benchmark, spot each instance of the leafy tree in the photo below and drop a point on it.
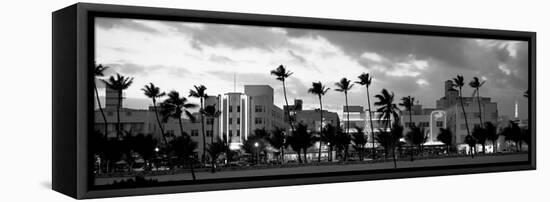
(175, 106)
(329, 136)
(445, 136)
(480, 135)
(359, 140)
(215, 149)
(254, 146)
(390, 140)
(342, 142)
(184, 149)
(277, 139)
(492, 134)
(471, 141)
(301, 140)
(416, 137)
(512, 132)
(118, 83)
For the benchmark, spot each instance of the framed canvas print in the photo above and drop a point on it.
(155, 100)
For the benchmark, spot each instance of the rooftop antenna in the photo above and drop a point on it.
(234, 81)
(516, 110)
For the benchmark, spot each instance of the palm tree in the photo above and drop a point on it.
(184, 148)
(492, 134)
(281, 74)
(98, 72)
(446, 136)
(342, 141)
(118, 83)
(390, 140)
(200, 93)
(153, 92)
(365, 80)
(277, 139)
(416, 137)
(408, 103)
(480, 135)
(458, 82)
(386, 107)
(476, 84)
(211, 112)
(301, 140)
(345, 85)
(175, 106)
(359, 140)
(512, 132)
(317, 88)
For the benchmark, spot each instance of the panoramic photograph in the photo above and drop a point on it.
(184, 102)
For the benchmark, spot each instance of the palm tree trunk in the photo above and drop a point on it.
(282, 154)
(192, 170)
(464, 112)
(394, 158)
(480, 110)
(181, 126)
(101, 110)
(299, 156)
(371, 126)
(119, 105)
(212, 134)
(288, 108)
(347, 128)
(158, 121)
(320, 143)
(305, 155)
(203, 160)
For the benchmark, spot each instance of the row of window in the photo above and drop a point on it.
(475, 115)
(424, 124)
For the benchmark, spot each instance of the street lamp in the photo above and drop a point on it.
(256, 144)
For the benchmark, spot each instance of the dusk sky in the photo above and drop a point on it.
(178, 55)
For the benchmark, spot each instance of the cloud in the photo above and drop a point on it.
(123, 23)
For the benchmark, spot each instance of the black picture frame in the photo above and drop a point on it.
(72, 104)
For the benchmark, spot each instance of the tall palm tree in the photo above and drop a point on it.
(344, 86)
(211, 112)
(320, 90)
(175, 106)
(200, 93)
(281, 74)
(408, 103)
(365, 80)
(458, 82)
(98, 72)
(386, 107)
(118, 83)
(329, 136)
(154, 92)
(476, 84)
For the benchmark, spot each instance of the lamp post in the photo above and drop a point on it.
(157, 159)
(256, 145)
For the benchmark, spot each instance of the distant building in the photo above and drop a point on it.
(312, 118)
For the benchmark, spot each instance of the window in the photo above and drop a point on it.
(439, 124)
(238, 120)
(230, 120)
(238, 133)
(409, 124)
(128, 113)
(230, 108)
(170, 133)
(258, 120)
(209, 121)
(194, 132)
(258, 108)
(238, 108)
(208, 133)
(424, 124)
(230, 133)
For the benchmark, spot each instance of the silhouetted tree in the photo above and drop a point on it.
(154, 92)
(118, 83)
(98, 72)
(512, 132)
(476, 84)
(458, 82)
(342, 142)
(359, 140)
(215, 149)
(200, 93)
(320, 90)
(344, 86)
(175, 106)
(277, 139)
(365, 80)
(329, 136)
(211, 112)
(301, 139)
(281, 74)
(390, 140)
(445, 136)
(184, 149)
(471, 142)
(492, 134)
(407, 103)
(416, 137)
(480, 135)
(386, 107)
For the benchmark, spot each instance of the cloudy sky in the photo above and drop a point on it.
(178, 55)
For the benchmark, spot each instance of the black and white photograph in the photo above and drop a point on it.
(179, 102)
